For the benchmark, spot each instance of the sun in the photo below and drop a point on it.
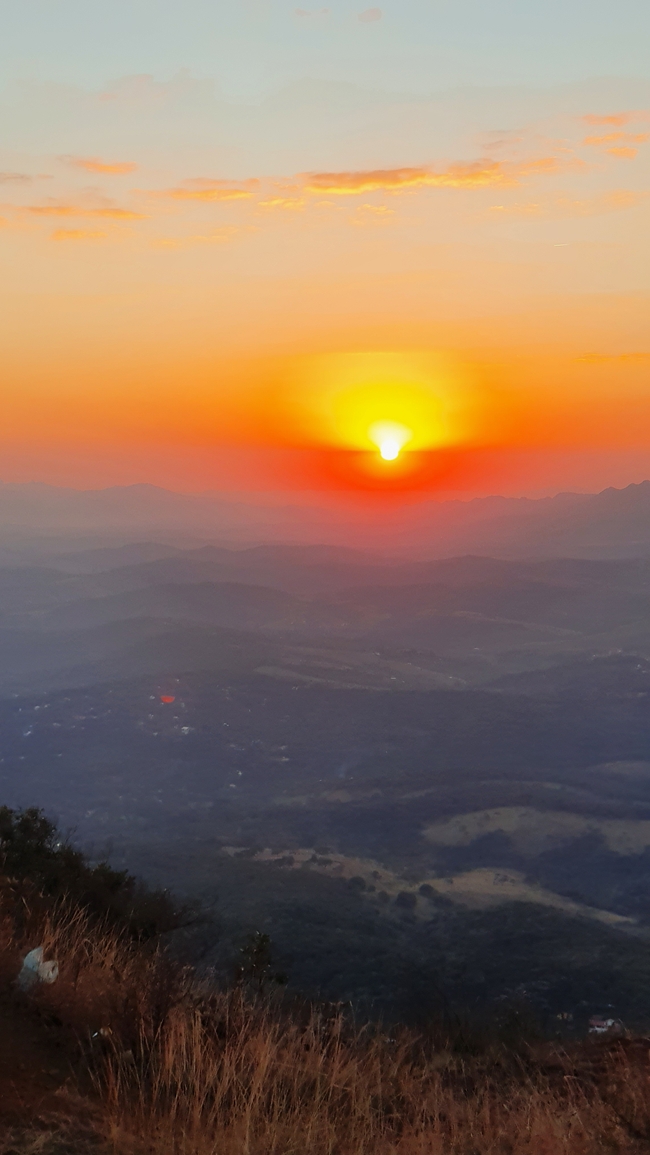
(390, 437)
(389, 449)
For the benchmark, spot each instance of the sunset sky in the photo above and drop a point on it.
(244, 243)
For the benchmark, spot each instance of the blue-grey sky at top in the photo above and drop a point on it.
(253, 46)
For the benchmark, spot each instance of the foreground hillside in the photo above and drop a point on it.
(127, 1052)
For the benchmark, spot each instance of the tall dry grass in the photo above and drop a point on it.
(179, 1069)
(238, 1079)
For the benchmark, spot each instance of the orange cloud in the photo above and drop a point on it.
(219, 237)
(564, 207)
(372, 215)
(621, 199)
(205, 189)
(370, 15)
(615, 358)
(620, 143)
(617, 119)
(94, 164)
(77, 235)
(281, 203)
(463, 174)
(76, 211)
(613, 137)
(213, 194)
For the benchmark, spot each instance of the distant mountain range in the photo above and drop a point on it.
(40, 521)
(316, 614)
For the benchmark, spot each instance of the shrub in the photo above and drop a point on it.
(255, 968)
(34, 855)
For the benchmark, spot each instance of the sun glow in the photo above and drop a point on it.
(390, 437)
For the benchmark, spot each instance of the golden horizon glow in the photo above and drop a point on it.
(360, 400)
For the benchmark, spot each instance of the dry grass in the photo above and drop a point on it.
(64, 1141)
(178, 1069)
(107, 982)
(261, 1086)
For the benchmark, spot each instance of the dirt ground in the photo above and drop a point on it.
(46, 1103)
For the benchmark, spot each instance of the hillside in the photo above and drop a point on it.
(466, 620)
(127, 1048)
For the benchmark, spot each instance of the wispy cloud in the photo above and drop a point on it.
(205, 189)
(280, 202)
(218, 237)
(619, 144)
(96, 165)
(115, 214)
(15, 178)
(314, 14)
(558, 207)
(518, 209)
(611, 137)
(615, 358)
(369, 216)
(463, 174)
(369, 15)
(77, 235)
(618, 199)
(616, 119)
(208, 194)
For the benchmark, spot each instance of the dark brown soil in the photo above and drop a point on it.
(44, 1089)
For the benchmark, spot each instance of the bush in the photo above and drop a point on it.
(34, 853)
(254, 970)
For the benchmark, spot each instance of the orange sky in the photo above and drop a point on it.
(240, 312)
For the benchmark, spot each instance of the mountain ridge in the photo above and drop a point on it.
(611, 523)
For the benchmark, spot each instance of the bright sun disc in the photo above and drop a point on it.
(389, 449)
(390, 438)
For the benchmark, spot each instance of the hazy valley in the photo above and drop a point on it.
(393, 766)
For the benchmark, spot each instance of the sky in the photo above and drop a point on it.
(343, 252)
